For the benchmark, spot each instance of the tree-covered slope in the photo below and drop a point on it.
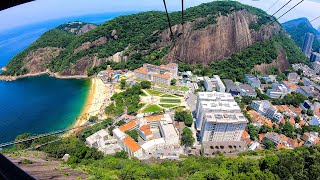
(52, 38)
(144, 37)
(297, 29)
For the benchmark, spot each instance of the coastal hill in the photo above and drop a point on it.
(297, 28)
(225, 37)
(77, 27)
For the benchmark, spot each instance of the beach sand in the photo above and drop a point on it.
(98, 98)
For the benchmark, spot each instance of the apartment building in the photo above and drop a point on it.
(218, 117)
(157, 74)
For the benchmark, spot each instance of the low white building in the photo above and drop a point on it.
(277, 91)
(169, 132)
(153, 145)
(97, 139)
(208, 85)
(254, 146)
(264, 107)
(220, 87)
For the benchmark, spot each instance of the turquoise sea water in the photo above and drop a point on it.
(39, 104)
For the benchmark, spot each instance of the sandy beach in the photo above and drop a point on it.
(97, 99)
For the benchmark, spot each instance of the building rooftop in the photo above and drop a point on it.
(118, 133)
(221, 117)
(142, 70)
(154, 118)
(96, 136)
(152, 143)
(247, 88)
(289, 84)
(128, 126)
(215, 96)
(163, 76)
(146, 129)
(170, 134)
(131, 144)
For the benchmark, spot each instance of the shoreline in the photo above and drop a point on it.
(51, 74)
(94, 104)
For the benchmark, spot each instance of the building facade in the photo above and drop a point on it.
(315, 57)
(218, 117)
(264, 107)
(157, 74)
(253, 81)
(307, 43)
(220, 87)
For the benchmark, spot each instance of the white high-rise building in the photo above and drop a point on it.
(219, 118)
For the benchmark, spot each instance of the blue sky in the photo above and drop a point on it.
(42, 10)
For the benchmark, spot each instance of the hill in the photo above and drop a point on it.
(77, 27)
(300, 163)
(297, 28)
(207, 38)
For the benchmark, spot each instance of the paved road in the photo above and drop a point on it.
(191, 101)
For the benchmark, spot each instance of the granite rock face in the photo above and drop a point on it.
(230, 34)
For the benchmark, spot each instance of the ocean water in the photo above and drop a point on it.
(39, 104)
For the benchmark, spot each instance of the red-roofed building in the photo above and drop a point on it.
(129, 126)
(158, 74)
(291, 87)
(145, 132)
(132, 147)
(261, 136)
(292, 121)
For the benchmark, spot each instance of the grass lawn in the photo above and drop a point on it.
(181, 88)
(167, 105)
(167, 100)
(152, 109)
(168, 96)
(154, 92)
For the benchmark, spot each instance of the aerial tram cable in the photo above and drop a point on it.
(168, 19)
(273, 20)
(272, 5)
(290, 9)
(281, 8)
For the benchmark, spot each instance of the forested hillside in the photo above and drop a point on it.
(207, 39)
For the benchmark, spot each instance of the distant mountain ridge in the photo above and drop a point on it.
(297, 28)
(319, 29)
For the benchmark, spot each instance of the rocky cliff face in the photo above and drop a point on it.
(280, 63)
(36, 60)
(215, 42)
